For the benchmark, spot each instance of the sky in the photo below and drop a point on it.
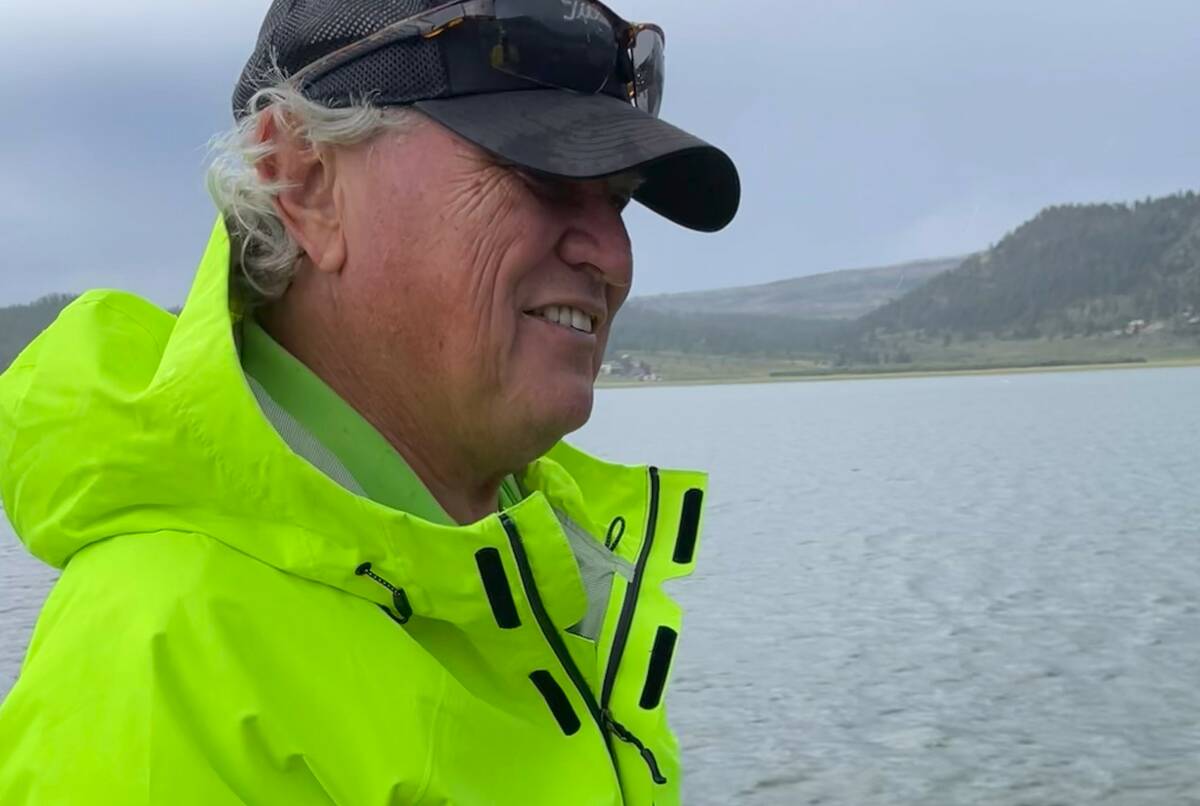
(867, 132)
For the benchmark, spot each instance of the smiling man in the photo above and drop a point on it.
(321, 539)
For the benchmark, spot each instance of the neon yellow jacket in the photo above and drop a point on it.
(231, 626)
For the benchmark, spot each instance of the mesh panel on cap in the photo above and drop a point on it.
(260, 61)
(398, 74)
(298, 32)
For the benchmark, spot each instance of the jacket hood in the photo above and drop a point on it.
(121, 419)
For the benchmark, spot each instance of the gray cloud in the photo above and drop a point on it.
(866, 131)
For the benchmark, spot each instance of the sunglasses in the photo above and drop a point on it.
(578, 45)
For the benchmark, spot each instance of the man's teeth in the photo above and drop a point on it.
(567, 316)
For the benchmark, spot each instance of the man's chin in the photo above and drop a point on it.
(565, 408)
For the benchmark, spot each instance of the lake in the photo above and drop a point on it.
(952, 590)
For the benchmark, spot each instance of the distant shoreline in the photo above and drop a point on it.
(899, 374)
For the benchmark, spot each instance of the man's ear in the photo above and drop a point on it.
(306, 204)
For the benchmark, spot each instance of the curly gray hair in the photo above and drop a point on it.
(267, 255)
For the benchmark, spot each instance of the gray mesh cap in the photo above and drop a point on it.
(550, 131)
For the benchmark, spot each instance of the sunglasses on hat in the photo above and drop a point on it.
(578, 45)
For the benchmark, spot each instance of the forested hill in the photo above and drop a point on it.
(805, 317)
(1072, 270)
(21, 323)
(846, 294)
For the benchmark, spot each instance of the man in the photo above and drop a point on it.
(321, 541)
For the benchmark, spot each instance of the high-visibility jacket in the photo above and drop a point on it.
(232, 626)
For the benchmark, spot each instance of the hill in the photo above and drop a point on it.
(833, 295)
(1077, 284)
(19, 324)
(1075, 270)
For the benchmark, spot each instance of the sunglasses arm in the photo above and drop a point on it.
(427, 24)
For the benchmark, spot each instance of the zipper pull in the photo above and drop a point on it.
(622, 733)
(404, 611)
(616, 530)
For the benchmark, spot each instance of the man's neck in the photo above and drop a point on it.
(466, 494)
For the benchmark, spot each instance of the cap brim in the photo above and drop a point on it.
(577, 136)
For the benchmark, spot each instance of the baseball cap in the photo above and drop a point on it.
(449, 78)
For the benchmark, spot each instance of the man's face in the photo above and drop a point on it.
(483, 295)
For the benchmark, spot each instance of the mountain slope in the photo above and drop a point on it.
(1072, 270)
(833, 295)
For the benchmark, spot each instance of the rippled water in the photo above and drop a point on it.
(24, 583)
(928, 591)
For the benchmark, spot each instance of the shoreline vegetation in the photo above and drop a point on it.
(894, 373)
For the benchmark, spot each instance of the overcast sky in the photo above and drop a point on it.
(867, 131)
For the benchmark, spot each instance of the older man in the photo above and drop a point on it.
(321, 540)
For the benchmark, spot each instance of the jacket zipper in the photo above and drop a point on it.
(551, 633)
(621, 636)
(623, 733)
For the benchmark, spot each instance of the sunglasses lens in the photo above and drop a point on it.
(649, 70)
(569, 44)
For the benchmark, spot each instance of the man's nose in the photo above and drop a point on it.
(596, 237)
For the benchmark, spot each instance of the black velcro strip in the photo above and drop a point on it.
(495, 584)
(660, 664)
(689, 526)
(556, 698)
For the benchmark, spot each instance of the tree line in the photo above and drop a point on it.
(21, 323)
(1073, 270)
(643, 330)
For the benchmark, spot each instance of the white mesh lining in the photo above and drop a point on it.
(597, 565)
(302, 442)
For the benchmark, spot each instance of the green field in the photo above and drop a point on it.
(927, 357)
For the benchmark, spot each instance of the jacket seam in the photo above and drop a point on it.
(101, 302)
(434, 728)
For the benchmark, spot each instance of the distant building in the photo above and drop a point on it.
(626, 367)
(1135, 327)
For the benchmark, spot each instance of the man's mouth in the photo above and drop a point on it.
(566, 316)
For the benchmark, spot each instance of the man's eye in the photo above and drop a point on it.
(557, 191)
(540, 186)
(620, 201)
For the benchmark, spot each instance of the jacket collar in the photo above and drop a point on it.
(322, 427)
(267, 502)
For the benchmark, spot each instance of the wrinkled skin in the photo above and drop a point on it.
(424, 257)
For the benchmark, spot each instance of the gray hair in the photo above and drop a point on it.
(266, 256)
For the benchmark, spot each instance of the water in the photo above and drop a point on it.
(24, 583)
(929, 591)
